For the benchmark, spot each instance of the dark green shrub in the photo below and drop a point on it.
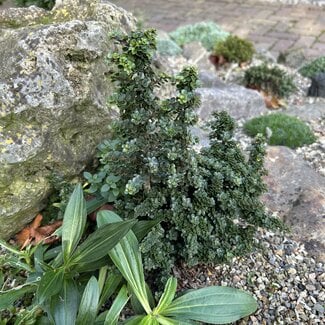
(208, 33)
(311, 69)
(208, 202)
(271, 80)
(46, 4)
(235, 49)
(285, 130)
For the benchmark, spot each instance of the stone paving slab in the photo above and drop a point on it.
(276, 27)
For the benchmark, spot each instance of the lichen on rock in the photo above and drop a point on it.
(53, 98)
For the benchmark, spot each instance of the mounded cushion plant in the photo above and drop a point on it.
(311, 69)
(207, 202)
(234, 49)
(283, 130)
(208, 33)
(167, 47)
(271, 80)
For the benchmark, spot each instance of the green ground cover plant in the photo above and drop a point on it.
(235, 49)
(208, 33)
(167, 47)
(207, 202)
(70, 283)
(271, 80)
(311, 69)
(285, 130)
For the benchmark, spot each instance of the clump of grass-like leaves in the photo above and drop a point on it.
(271, 80)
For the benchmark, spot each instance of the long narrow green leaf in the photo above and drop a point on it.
(74, 222)
(89, 303)
(116, 307)
(93, 204)
(142, 228)
(135, 320)
(168, 295)
(64, 306)
(100, 242)
(110, 286)
(52, 253)
(50, 284)
(213, 305)
(148, 320)
(102, 275)
(135, 303)
(127, 258)
(92, 266)
(169, 321)
(8, 297)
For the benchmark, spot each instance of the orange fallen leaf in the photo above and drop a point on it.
(34, 233)
(271, 101)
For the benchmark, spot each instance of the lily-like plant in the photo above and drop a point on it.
(72, 282)
(212, 305)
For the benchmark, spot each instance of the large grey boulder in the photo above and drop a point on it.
(297, 194)
(238, 101)
(53, 94)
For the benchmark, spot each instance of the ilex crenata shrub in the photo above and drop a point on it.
(208, 201)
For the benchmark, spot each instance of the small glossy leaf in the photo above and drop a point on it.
(116, 307)
(89, 303)
(100, 242)
(212, 305)
(64, 306)
(8, 297)
(50, 284)
(127, 258)
(74, 222)
(168, 295)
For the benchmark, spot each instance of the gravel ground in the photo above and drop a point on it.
(287, 283)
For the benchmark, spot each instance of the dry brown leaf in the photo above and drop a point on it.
(271, 101)
(34, 233)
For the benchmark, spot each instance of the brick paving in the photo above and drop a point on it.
(276, 27)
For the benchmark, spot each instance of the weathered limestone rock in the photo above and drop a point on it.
(297, 193)
(53, 94)
(238, 101)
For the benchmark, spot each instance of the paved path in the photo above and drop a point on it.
(273, 26)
